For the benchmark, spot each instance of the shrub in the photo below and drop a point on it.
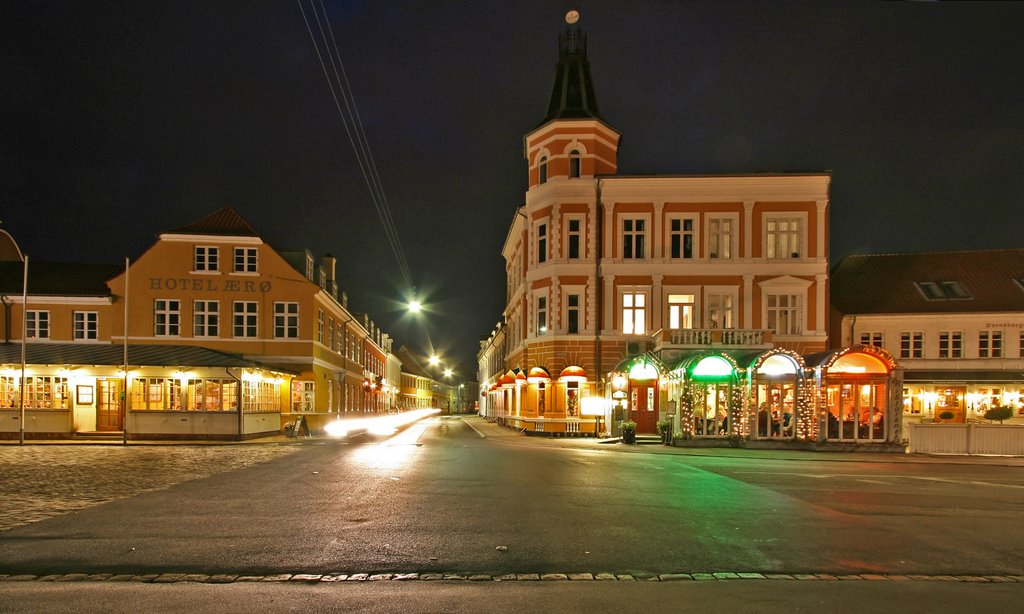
(999, 413)
(664, 426)
(627, 425)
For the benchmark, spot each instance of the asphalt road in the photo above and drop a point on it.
(438, 498)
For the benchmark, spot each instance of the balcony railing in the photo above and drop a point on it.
(701, 337)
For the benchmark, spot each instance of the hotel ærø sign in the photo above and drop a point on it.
(208, 285)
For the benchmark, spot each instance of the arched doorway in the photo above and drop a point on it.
(859, 389)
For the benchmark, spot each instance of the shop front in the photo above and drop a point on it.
(780, 397)
(859, 400)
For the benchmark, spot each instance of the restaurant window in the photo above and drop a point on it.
(542, 243)
(205, 258)
(634, 313)
(211, 394)
(680, 311)
(574, 238)
(261, 396)
(572, 399)
(542, 315)
(245, 260)
(990, 344)
(872, 338)
(572, 324)
(720, 238)
(574, 163)
(951, 344)
(720, 311)
(912, 345)
(711, 410)
(855, 410)
(41, 392)
(633, 238)
(166, 317)
(85, 325)
(541, 391)
(37, 325)
(244, 319)
(784, 314)
(783, 237)
(681, 232)
(303, 396)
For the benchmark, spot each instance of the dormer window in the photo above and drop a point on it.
(543, 169)
(574, 163)
(943, 290)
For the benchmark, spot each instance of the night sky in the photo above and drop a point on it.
(125, 119)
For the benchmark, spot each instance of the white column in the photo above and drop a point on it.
(748, 302)
(748, 228)
(822, 221)
(658, 231)
(821, 311)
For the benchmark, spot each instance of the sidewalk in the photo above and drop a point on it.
(491, 430)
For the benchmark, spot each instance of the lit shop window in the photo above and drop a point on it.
(302, 396)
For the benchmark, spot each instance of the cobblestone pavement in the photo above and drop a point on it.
(39, 482)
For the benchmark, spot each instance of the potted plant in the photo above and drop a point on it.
(999, 413)
(946, 415)
(665, 430)
(628, 431)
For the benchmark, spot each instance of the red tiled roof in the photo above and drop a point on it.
(226, 222)
(887, 283)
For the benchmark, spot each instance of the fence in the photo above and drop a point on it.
(1000, 439)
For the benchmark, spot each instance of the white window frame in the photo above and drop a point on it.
(579, 235)
(643, 235)
(37, 324)
(634, 302)
(245, 319)
(951, 344)
(542, 241)
(670, 309)
(682, 233)
(874, 338)
(286, 320)
(541, 312)
(205, 259)
(205, 321)
(990, 344)
(715, 250)
(779, 243)
(303, 396)
(166, 317)
(786, 286)
(85, 325)
(246, 260)
(580, 293)
(911, 344)
(713, 306)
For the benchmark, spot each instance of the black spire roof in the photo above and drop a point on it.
(573, 94)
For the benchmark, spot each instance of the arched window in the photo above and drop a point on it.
(543, 169)
(574, 163)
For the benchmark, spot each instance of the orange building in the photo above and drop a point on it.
(643, 277)
(226, 338)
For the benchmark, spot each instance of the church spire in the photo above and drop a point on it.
(573, 94)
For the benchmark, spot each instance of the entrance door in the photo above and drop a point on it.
(644, 408)
(108, 405)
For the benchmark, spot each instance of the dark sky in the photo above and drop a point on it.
(124, 119)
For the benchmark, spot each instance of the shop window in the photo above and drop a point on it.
(41, 392)
(856, 411)
(302, 396)
(166, 317)
(711, 410)
(776, 411)
(205, 259)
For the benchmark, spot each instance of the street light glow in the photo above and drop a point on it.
(447, 372)
(415, 306)
(434, 360)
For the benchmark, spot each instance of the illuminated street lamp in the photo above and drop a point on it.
(434, 360)
(447, 372)
(415, 306)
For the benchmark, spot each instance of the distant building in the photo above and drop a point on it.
(954, 320)
(690, 299)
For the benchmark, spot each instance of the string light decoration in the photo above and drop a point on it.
(686, 410)
(806, 416)
(738, 422)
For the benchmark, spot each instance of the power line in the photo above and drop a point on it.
(350, 119)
